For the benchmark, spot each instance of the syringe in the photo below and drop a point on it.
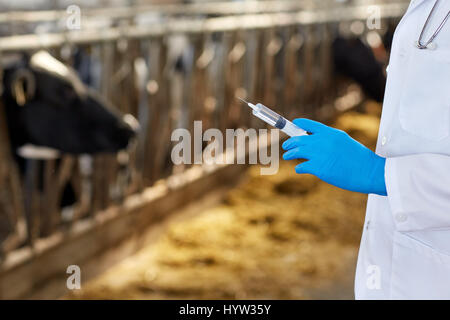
(275, 120)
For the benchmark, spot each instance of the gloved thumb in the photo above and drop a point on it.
(309, 125)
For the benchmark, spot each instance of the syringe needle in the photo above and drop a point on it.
(248, 103)
(243, 100)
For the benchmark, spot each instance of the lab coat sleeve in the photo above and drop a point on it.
(418, 188)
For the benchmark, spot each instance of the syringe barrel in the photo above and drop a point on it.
(275, 120)
(266, 115)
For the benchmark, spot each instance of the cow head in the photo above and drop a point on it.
(355, 59)
(47, 105)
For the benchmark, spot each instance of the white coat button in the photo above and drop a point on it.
(383, 141)
(400, 217)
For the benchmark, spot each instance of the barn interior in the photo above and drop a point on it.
(93, 204)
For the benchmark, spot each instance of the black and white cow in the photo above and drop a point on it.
(49, 111)
(47, 105)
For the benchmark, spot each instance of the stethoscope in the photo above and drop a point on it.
(430, 44)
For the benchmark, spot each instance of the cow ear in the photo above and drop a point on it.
(23, 86)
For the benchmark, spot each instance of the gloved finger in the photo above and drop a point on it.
(296, 142)
(305, 167)
(298, 153)
(309, 125)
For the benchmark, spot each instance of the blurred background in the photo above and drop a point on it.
(91, 205)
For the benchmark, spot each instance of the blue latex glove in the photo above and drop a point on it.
(334, 157)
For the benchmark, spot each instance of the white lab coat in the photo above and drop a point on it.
(405, 247)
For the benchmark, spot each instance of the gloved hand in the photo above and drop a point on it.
(334, 157)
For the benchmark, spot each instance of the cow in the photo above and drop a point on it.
(356, 60)
(47, 105)
(50, 111)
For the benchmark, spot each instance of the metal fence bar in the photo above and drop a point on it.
(216, 8)
(189, 26)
